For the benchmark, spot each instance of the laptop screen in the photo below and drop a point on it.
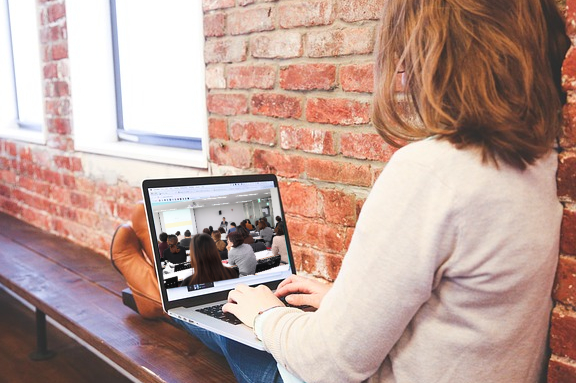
(225, 204)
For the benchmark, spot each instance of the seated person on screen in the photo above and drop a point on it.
(174, 253)
(187, 238)
(206, 262)
(265, 221)
(279, 244)
(163, 244)
(241, 254)
(220, 245)
(232, 227)
(245, 234)
(278, 223)
(266, 233)
(223, 235)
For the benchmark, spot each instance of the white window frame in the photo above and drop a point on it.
(90, 53)
(10, 126)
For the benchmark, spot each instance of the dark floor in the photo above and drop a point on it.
(72, 363)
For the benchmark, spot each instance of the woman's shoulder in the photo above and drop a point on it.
(240, 249)
(428, 151)
(247, 249)
(438, 158)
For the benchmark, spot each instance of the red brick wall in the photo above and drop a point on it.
(290, 87)
(45, 184)
(562, 368)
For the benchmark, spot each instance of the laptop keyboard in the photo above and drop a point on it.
(216, 312)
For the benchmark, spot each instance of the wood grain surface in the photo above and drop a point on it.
(80, 290)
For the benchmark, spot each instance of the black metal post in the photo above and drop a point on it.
(42, 352)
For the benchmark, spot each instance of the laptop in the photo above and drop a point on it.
(180, 204)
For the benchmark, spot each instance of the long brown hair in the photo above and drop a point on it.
(479, 73)
(206, 261)
(217, 237)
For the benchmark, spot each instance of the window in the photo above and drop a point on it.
(157, 66)
(21, 70)
(135, 91)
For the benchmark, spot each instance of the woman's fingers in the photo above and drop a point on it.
(230, 307)
(246, 302)
(303, 300)
(299, 285)
(235, 294)
(300, 291)
(290, 279)
(293, 288)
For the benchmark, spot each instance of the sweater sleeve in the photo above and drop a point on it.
(232, 257)
(404, 233)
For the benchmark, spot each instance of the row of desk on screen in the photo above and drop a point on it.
(171, 270)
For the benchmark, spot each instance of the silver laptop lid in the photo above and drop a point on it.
(180, 204)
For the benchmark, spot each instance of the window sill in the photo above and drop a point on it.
(148, 153)
(31, 136)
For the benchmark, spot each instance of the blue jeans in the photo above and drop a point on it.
(248, 364)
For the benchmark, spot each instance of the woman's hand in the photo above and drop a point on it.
(300, 291)
(246, 302)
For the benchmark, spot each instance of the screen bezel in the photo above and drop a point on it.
(196, 181)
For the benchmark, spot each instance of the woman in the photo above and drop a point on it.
(455, 285)
(279, 244)
(241, 254)
(248, 239)
(220, 245)
(174, 253)
(266, 233)
(206, 262)
(278, 223)
(163, 243)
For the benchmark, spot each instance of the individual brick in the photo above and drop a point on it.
(276, 105)
(308, 77)
(337, 111)
(273, 45)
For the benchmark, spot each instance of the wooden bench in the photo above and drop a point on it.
(79, 289)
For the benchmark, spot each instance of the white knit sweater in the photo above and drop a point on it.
(447, 278)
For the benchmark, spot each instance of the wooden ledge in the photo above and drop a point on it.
(79, 289)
